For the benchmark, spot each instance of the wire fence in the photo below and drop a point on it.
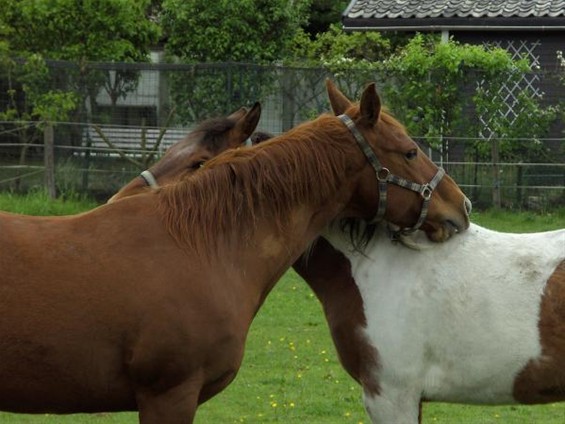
(99, 171)
(133, 104)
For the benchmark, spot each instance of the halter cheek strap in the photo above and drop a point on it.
(384, 177)
(149, 179)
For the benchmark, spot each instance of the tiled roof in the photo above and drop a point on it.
(526, 13)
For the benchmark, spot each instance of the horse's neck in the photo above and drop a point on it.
(270, 252)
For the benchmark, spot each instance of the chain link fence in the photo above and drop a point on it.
(126, 115)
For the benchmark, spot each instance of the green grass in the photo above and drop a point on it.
(290, 373)
(520, 222)
(39, 203)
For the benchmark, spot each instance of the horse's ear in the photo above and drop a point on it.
(370, 106)
(238, 114)
(245, 125)
(338, 101)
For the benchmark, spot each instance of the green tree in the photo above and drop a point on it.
(80, 32)
(322, 15)
(432, 84)
(351, 59)
(248, 31)
(442, 90)
(26, 114)
(204, 34)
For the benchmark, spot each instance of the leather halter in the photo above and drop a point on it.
(384, 176)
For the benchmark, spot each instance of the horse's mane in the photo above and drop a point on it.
(303, 166)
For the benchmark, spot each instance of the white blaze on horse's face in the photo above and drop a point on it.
(460, 321)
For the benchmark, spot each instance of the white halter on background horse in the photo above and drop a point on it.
(480, 319)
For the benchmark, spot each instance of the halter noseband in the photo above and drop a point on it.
(384, 177)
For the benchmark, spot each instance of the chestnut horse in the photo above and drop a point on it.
(207, 140)
(145, 303)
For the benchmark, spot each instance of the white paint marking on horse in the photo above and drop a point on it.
(453, 322)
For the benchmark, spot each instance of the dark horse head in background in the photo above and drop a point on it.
(207, 140)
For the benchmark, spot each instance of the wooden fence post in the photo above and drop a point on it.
(49, 160)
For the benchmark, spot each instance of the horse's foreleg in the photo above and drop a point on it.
(393, 406)
(175, 406)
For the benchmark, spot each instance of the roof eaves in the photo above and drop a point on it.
(461, 24)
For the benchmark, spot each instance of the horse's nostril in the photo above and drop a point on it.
(468, 206)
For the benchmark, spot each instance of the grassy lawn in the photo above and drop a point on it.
(290, 372)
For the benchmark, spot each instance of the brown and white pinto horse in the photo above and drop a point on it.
(477, 320)
(207, 140)
(145, 303)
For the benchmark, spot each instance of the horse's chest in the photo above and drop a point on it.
(448, 334)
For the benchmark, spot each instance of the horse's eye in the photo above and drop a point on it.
(412, 154)
(197, 165)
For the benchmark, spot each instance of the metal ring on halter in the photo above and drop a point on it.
(384, 176)
(426, 191)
